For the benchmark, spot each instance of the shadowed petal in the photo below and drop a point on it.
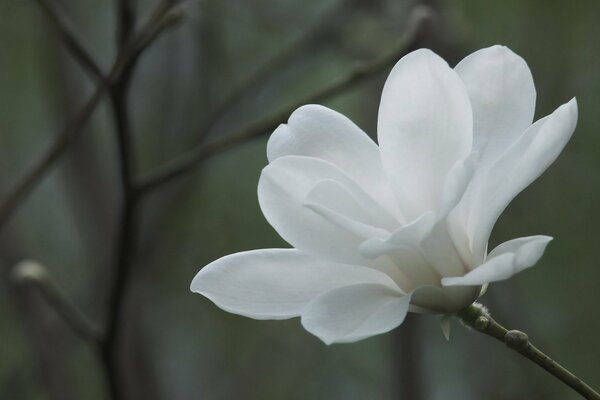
(523, 162)
(406, 236)
(352, 313)
(317, 131)
(282, 191)
(504, 261)
(354, 204)
(429, 299)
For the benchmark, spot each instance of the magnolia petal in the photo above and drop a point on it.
(351, 225)
(495, 269)
(456, 183)
(406, 236)
(424, 128)
(404, 248)
(317, 131)
(442, 252)
(502, 94)
(452, 231)
(431, 299)
(276, 283)
(282, 190)
(523, 162)
(527, 250)
(504, 261)
(355, 204)
(351, 313)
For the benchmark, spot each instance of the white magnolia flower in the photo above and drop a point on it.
(382, 230)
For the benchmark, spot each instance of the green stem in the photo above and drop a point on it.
(477, 317)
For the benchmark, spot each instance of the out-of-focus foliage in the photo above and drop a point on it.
(179, 345)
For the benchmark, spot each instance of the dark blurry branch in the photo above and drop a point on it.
(127, 228)
(316, 30)
(187, 162)
(42, 164)
(125, 22)
(477, 317)
(407, 348)
(36, 275)
(69, 39)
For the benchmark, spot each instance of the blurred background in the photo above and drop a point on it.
(222, 68)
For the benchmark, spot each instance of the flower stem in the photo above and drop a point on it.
(477, 317)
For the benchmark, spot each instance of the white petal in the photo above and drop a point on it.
(282, 189)
(276, 283)
(351, 225)
(527, 250)
(495, 269)
(424, 128)
(518, 167)
(504, 261)
(317, 131)
(502, 95)
(406, 236)
(442, 252)
(456, 183)
(352, 313)
(442, 300)
(354, 204)
(403, 247)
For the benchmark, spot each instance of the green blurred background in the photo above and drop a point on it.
(180, 346)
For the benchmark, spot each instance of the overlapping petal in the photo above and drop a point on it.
(429, 299)
(317, 131)
(424, 127)
(277, 283)
(381, 231)
(502, 95)
(504, 261)
(282, 192)
(518, 167)
(351, 313)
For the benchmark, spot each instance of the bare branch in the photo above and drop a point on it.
(128, 225)
(187, 162)
(70, 41)
(255, 80)
(38, 169)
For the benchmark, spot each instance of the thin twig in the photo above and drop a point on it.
(70, 41)
(187, 162)
(42, 164)
(256, 79)
(35, 274)
(478, 317)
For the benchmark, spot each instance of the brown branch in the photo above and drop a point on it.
(42, 164)
(187, 162)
